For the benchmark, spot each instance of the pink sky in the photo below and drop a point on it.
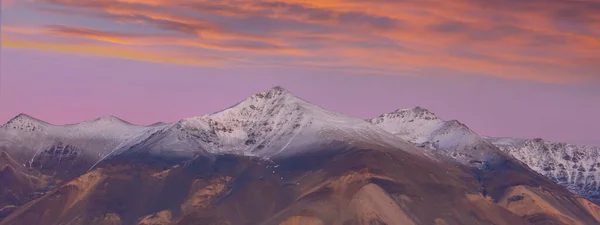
(63, 88)
(505, 68)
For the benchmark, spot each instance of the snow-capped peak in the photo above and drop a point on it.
(415, 113)
(575, 167)
(24, 122)
(506, 141)
(448, 138)
(108, 120)
(273, 92)
(91, 139)
(270, 123)
(412, 124)
(267, 101)
(263, 98)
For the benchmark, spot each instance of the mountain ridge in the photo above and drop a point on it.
(307, 159)
(449, 138)
(574, 166)
(270, 123)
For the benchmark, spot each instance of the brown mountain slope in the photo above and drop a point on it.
(345, 187)
(18, 184)
(543, 207)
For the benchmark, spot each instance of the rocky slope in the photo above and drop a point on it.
(447, 138)
(575, 167)
(350, 186)
(272, 123)
(19, 184)
(66, 151)
(273, 159)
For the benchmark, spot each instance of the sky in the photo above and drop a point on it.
(528, 68)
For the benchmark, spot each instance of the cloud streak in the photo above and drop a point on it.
(549, 41)
(115, 52)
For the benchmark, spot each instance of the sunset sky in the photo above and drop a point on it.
(528, 68)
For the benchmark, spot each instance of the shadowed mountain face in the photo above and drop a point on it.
(273, 159)
(345, 186)
(19, 185)
(575, 167)
(335, 186)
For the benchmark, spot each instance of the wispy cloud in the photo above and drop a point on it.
(550, 41)
(123, 52)
(162, 40)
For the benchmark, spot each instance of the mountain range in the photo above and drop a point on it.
(275, 158)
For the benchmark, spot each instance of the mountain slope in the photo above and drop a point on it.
(352, 186)
(19, 184)
(272, 123)
(277, 159)
(575, 167)
(450, 139)
(66, 150)
(340, 186)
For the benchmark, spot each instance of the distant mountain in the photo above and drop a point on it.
(273, 159)
(272, 123)
(447, 138)
(67, 150)
(575, 167)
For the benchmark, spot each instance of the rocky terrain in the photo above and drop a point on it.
(447, 138)
(274, 159)
(575, 167)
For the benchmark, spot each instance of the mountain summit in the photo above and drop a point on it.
(573, 166)
(447, 138)
(24, 122)
(276, 159)
(272, 123)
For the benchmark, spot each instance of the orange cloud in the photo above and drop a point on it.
(110, 51)
(555, 41)
(137, 39)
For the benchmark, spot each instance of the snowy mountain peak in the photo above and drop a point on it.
(506, 141)
(274, 92)
(412, 124)
(27, 123)
(448, 138)
(455, 124)
(575, 167)
(279, 89)
(270, 123)
(416, 112)
(273, 96)
(104, 122)
(109, 119)
(263, 105)
(538, 140)
(24, 122)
